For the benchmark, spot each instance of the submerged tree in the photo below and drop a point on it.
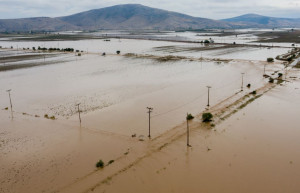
(206, 117)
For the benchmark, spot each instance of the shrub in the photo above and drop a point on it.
(249, 85)
(280, 75)
(46, 116)
(110, 162)
(189, 117)
(279, 81)
(206, 117)
(206, 41)
(118, 52)
(253, 92)
(271, 80)
(270, 59)
(100, 164)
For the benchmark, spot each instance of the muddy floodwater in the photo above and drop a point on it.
(250, 152)
(250, 146)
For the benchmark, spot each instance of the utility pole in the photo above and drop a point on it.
(150, 109)
(78, 112)
(286, 71)
(208, 87)
(242, 81)
(201, 60)
(187, 131)
(9, 99)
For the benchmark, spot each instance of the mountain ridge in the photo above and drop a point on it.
(137, 16)
(256, 20)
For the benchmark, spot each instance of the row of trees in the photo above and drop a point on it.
(54, 49)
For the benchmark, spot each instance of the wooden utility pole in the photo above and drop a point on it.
(208, 87)
(10, 99)
(242, 81)
(150, 109)
(187, 131)
(78, 112)
(286, 71)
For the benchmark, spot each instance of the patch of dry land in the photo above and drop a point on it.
(251, 144)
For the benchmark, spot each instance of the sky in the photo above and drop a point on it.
(213, 9)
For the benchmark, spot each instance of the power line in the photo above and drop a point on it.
(187, 103)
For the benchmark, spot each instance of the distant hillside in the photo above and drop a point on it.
(35, 24)
(128, 16)
(135, 16)
(259, 21)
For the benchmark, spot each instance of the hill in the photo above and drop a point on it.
(135, 16)
(35, 24)
(259, 21)
(128, 16)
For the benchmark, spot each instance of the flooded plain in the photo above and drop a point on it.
(256, 150)
(45, 148)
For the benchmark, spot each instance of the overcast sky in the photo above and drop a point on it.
(213, 9)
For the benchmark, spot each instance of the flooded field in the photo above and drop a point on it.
(45, 148)
(249, 152)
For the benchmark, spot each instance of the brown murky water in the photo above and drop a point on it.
(256, 150)
(39, 154)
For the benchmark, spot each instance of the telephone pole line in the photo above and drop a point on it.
(150, 109)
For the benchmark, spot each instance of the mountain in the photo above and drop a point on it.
(259, 21)
(127, 16)
(35, 24)
(135, 16)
